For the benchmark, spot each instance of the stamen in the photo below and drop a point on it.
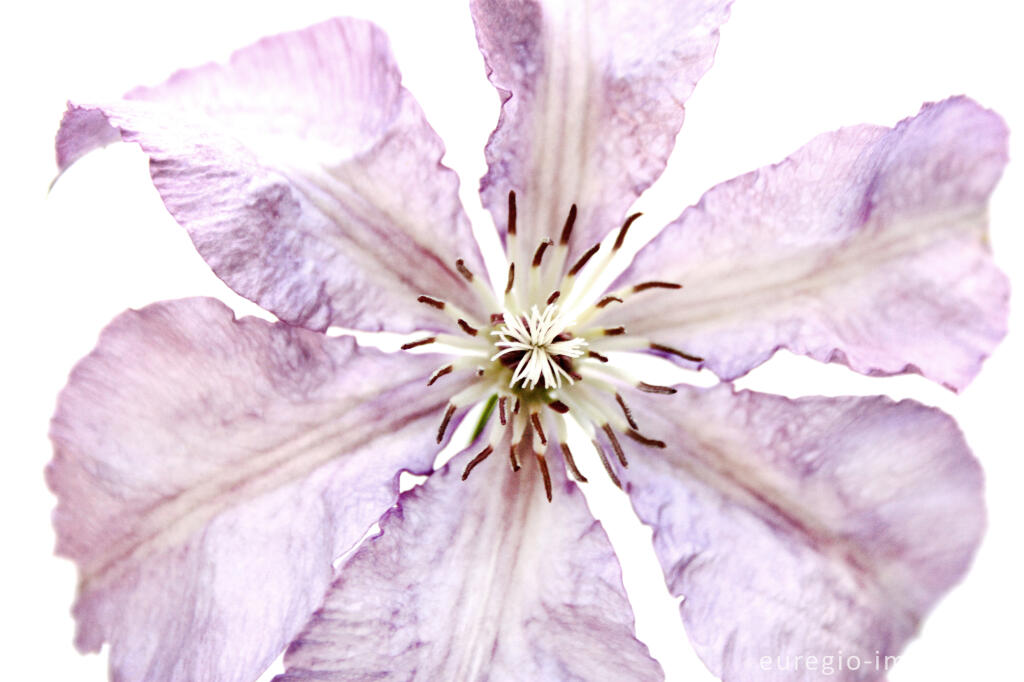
(481, 456)
(444, 422)
(544, 474)
(654, 388)
(673, 351)
(535, 418)
(623, 230)
(465, 326)
(433, 302)
(460, 265)
(421, 342)
(615, 444)
(597, 356)
(614, 331)
(567, 228)
(554, 297)
(513, 457)
(447, 369)
(655, 285)
(538, 255)
(512, 212)
(571, 463)
(511, 278)
(607, 465)
(558, 406)
(583, 260)
(644, 440)
(606, 300)
(501, 410)
(626, 411)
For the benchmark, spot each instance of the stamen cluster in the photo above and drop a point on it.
(539, 361)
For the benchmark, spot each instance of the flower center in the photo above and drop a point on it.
(540, 359)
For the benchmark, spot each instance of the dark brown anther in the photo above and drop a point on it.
(558, 406)
(654, 388)
(554, 297)
(433, 302)
(535, 418)
(571, 463)
(575, 376)
(597, 356)
(538, 255)
(644, 440)
(614, 331)
(623, 230)
(513, 457)
(607, 465)
(511, 278)
(625, 410)
(644, 286)
(515, 406)
(421, 342)
(606, 300)
(447, 369)
(511, 211)
(672, 351)
(567, 228)
(460, 265)
(543, 463)
(583, 260)
(481, 456)
(615, 444)
(444, 422)
(465, 326)
(501, 410)
(496, 319)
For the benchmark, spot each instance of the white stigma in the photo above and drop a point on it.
(537, 337)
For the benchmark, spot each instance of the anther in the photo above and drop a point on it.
(444, 422)
(515, 406)
(554, 297)
(615, 444)
(558, 406)
(571, 463)
(654, 388)
(512, 211)
(535, 418)
(538, 256)
(597, 356)
(623, 230)
(583, 260)
(513, 457)
(447, 369)
(543, 463)
(481, 456)
(460, 265)
(625, 410)
(501, 410)
(433, 302)
(644, 286)
(421, 342)
(607, 465)
(672, 351)
(567, 228)
(606, 300)
(511, 278)
(614, 331)
(644, 440)
(466, 327)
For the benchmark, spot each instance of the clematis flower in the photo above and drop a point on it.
(210, 470)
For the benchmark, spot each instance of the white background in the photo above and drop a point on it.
(786, 70)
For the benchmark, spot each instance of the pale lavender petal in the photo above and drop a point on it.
(816, 527)
(209, 471)
(868, 246)
(593, 98)
(306, 175)
(482, 579)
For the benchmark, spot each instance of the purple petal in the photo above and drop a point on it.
(816, 527)
(306, 175)
(592, 101)
(482, 579)
(868, 246)
(209, 471)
